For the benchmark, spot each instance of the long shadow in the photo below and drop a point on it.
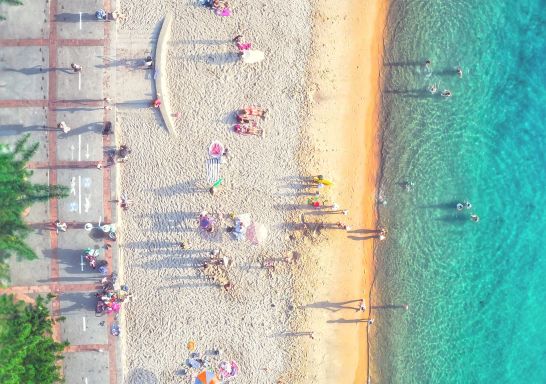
(363, 237)
(293, 207)
(446, 72)
(201, 282)
(415, 93)
(214, 58)
(171, 221)
(176, 261)
(364, 230)
(202, 42)
(459, 219)
(75, 17)
(405, 63)
(42, 226)
(75, 109)
(348, 321)
(333, 307)
(186, 187)
(150, 245)
(8, 130)
(127, 63)
(36, 70)
(71, 260)
(135, 104)
(452, 205)
(81, 301)
(90, 127)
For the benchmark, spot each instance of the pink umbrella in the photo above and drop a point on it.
(216, 149)
(256, 233)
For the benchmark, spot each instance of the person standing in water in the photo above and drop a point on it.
(460, 72)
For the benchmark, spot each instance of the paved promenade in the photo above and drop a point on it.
(38, 89)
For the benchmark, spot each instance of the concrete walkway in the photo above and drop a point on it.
(38, 42)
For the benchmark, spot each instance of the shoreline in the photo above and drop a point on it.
(344, 86)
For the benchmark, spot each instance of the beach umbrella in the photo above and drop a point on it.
(216, 149)
(257, 233)
(206, 377)
(228, 370)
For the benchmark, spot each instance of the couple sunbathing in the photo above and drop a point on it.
(247, 121)
(248, 129)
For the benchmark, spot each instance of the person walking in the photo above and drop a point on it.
(63, 127)
(60, 226)
(76, 67)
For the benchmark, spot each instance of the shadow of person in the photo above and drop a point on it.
(36, 70)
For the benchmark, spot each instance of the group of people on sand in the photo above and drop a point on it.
(215, 268)
(220, 7)
(247, 121)
(433, 88)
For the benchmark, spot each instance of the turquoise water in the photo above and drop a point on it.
(476, 290)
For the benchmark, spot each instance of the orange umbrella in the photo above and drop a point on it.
(207, 377)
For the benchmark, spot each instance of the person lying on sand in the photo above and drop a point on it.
(248, 129)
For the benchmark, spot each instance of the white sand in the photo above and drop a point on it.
(165, 176)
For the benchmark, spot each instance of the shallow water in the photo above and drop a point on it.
(475, 290)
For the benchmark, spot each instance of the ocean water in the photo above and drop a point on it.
(476, 291)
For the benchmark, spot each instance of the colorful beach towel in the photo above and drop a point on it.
(213, 170)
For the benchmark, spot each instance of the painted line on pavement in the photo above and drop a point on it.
(80, 195)
(84, 325)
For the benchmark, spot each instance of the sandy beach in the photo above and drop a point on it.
(321, 92)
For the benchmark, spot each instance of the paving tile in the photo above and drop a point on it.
(85, 201)
(14, 122)
(32, 272)
(84, 85)
(73, 269)
(68, 19)
(80, 366)
(24, 73)
(27, 21)
(84, 141)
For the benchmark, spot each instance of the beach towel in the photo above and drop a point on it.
(213, 170)
(251, 56)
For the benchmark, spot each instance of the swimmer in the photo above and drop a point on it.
(446, 93)
(459, 207)
(407, 185)
(460, 72)
(467, 204)
(433, 89)
(427, 63)
(475, 218)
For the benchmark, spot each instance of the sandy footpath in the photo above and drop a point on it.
(321, 119)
